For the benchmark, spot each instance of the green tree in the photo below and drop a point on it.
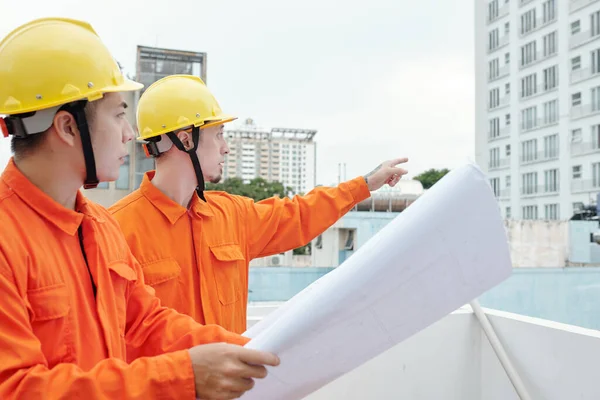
(257, 189)
(431, 176)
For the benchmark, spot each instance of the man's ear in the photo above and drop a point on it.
(65, 128)
(186, 139)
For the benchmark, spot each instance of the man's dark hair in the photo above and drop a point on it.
(22, 147)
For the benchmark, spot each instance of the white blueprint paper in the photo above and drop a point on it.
(443, 251)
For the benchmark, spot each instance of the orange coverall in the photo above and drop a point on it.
(63, 335)
(197, 259)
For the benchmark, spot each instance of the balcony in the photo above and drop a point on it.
(540, 190)
(454, 360)
(539, 57)
(582, 38)
(524, 2)
(583, 148)
(539, 24)
(584, 110)
(502, 134)
(501, 43)
(539, 90)
(502, 72)
(504, 102)
(499, 164)
(504, 194)
(539, 123)
(585, 185)
(540, 156)
(502, 12)
(582, 74)
(575, 5)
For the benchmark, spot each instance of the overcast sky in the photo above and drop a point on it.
(377, 79)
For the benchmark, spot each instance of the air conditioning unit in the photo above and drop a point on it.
(274, 261)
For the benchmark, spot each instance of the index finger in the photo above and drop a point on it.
(255, 357)
(397, 161)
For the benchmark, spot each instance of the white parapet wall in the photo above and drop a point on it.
(453, 360)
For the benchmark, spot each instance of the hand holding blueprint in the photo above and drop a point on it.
(443, 251)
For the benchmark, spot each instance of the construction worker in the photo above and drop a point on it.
(195, 246)
(73, 296)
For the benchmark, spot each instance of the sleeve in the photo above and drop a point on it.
(153, 329)
(24, 371)
(276, 225)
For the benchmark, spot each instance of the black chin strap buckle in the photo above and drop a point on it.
(193, 156)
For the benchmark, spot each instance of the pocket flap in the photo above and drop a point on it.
(160, 271)
(49, 302)
(124, 271)
(227, 252)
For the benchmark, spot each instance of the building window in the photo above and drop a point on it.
(494, 68)
(575, 63)
(595, 23)
(595, 57)
(507, 88)
(494, 128)
(508, 181)
(529, 151)
(507, 149)
(529, 118)
(549, 44)
(495, 183)
(529, 85)
(575, 27)
(507, 119)
(529, 182)
(528, 21)
(550, 112)
(549, 11)
(596, 175)
(507, 58)
(530, 212)
(576, 171)
(576, 135)
(551, 146)
(123, 180)
(494, 98)
(528, 53)
(596, 136)
(551, 78)
(494, 157)
(576, 99)
(551, 181)
(596, 98)
(508, 213)
(507, 28)
(551, 211)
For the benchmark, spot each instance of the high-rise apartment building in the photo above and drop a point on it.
(538, 104)
(277, 154)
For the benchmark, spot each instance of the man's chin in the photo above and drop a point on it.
(215, 179)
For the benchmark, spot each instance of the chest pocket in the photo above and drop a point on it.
(227, 268)
(49, 309)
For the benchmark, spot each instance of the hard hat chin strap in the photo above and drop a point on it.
(77, 110)
(193, 156)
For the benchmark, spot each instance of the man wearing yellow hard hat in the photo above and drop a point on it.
(195, 246)
(73, 296)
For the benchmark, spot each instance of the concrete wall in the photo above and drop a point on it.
(453, 360)
(538, 243)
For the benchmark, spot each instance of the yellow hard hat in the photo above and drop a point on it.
(176, 102)
(53, 61)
